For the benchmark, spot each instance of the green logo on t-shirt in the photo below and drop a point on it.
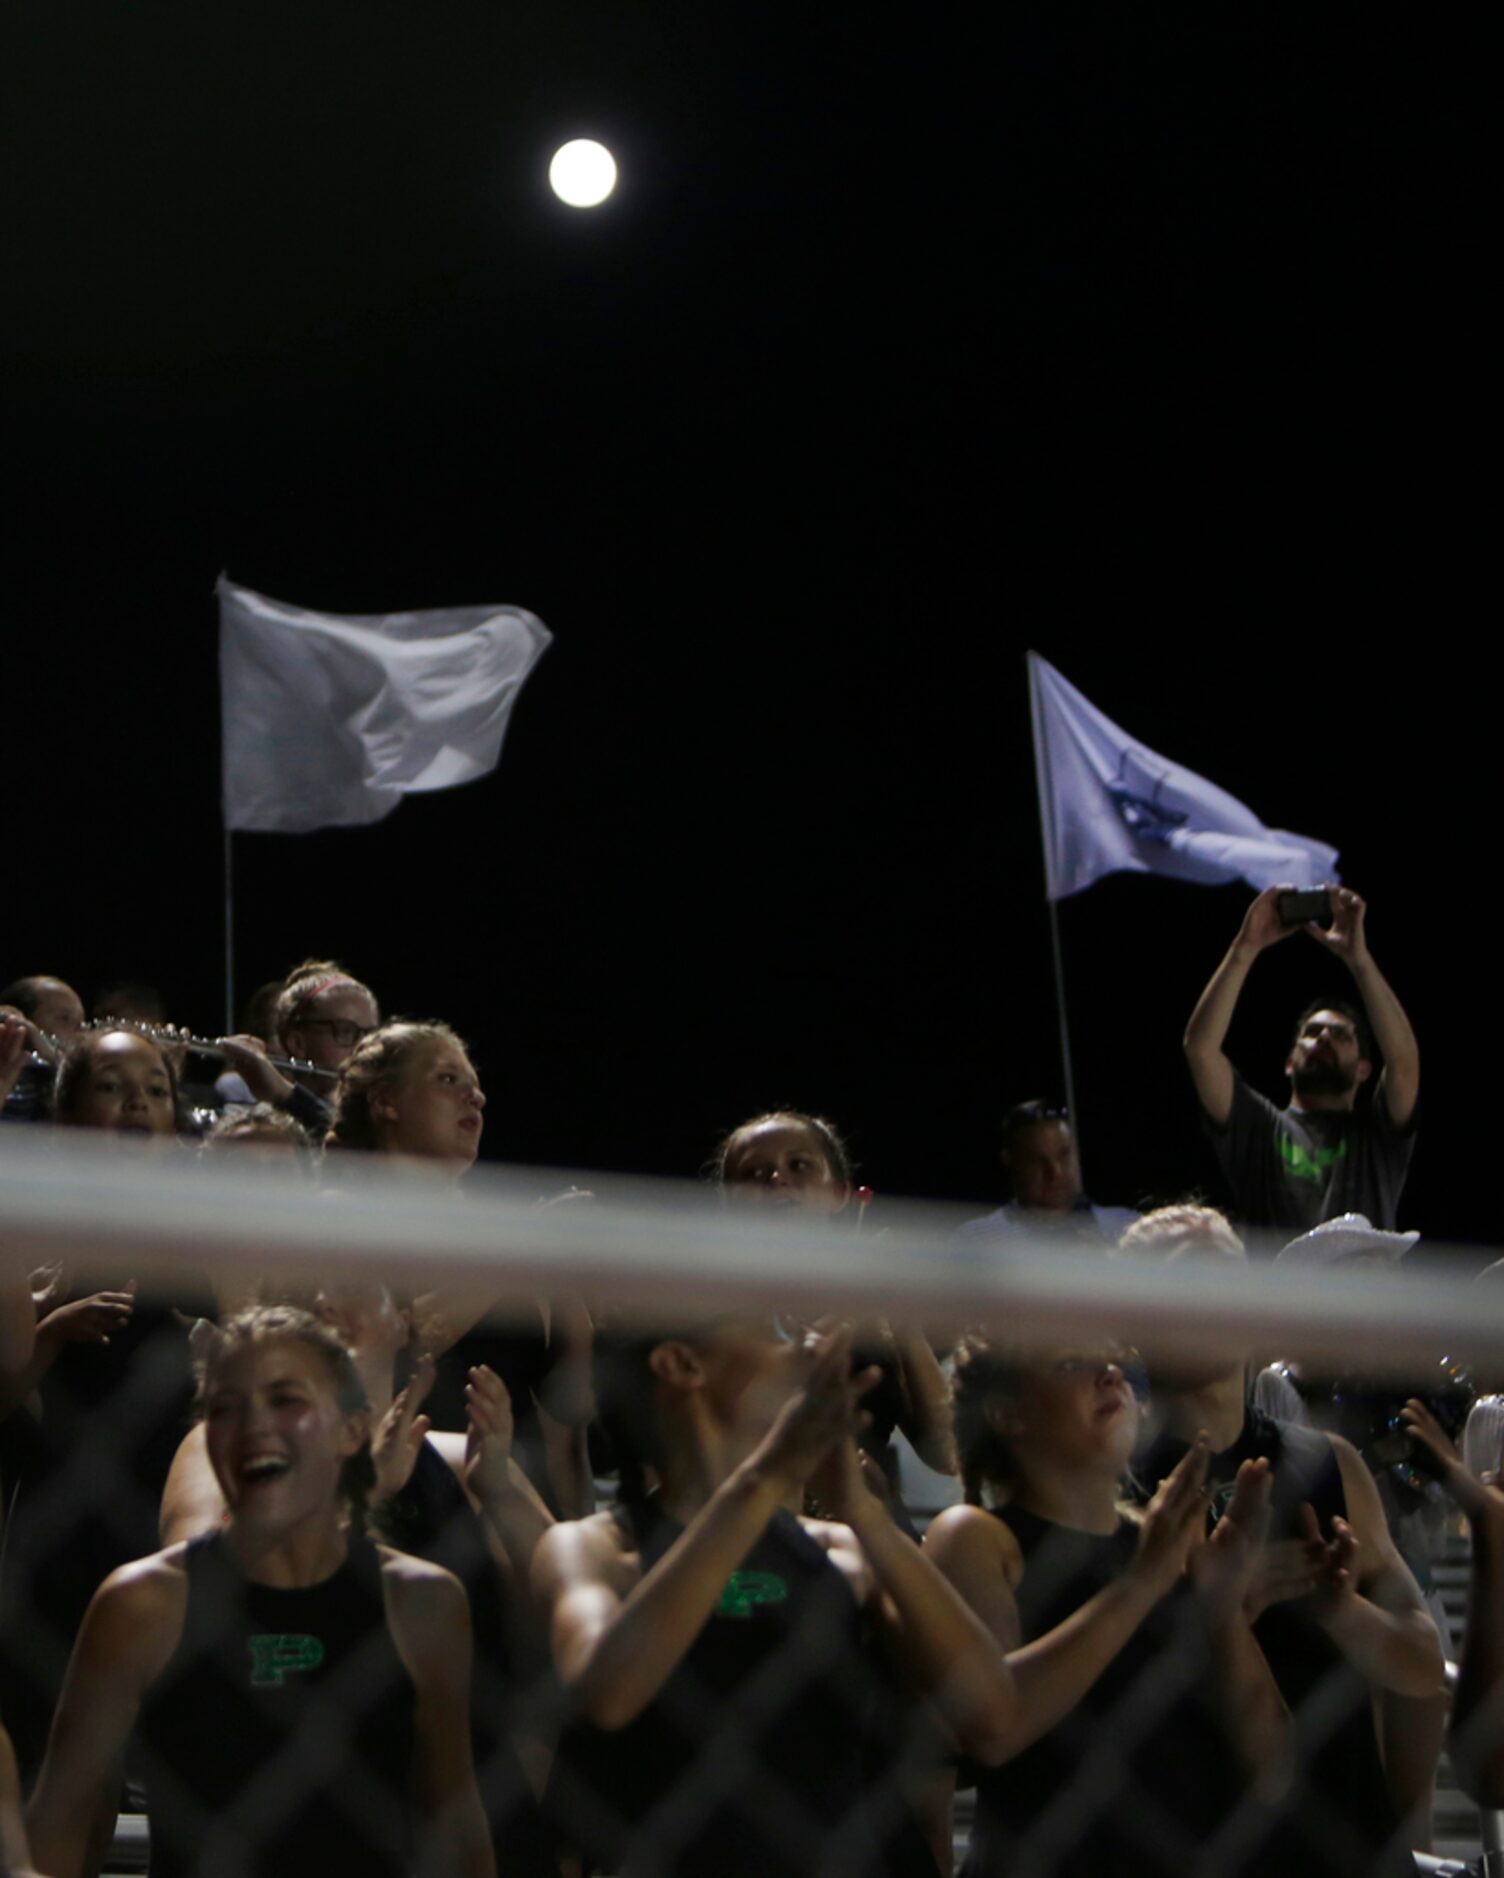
(746, 1590)
(274, 1658)
(1310, 1163)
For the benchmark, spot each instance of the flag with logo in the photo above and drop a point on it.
(1109, 804)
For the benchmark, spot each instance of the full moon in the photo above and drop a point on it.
(582, 173)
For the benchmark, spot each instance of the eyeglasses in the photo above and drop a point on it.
(343, 1031)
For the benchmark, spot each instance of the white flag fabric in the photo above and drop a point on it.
(330, 719)
(1110, 805)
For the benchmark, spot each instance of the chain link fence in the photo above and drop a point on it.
(790, 1732)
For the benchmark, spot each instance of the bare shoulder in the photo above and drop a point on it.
(1348, 1457)
(1357, 1484)
(156, 1582)
(597, 1549)
(428, 1615)
(416, 1582)
(844, 1550)
(971, 1534)
(135, 1618)
(1365, 1510)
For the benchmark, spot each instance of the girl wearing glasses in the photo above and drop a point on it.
(320, 1015)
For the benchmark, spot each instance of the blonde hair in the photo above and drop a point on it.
(1185, 1230)
(260, 1122)
(987, 1373)
(376, 1062)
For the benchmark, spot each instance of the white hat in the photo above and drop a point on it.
(1349, 1236)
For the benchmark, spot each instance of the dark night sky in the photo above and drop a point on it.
(1149, 335)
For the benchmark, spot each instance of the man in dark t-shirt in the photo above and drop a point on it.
(1293, 1168)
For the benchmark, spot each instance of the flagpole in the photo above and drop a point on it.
(1046, 834)
(1065, 1035)
(229, 936)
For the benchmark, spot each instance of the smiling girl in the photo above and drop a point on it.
(120, 1081)
(288, 1685)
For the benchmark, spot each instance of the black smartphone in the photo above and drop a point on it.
(1300, 908)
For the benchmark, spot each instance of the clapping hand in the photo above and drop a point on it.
(1480, 1496)
(1174, 1519)
(47, 1284)
(1333, 1564)
(89, 1320)
(824, 1412)
(401, 1432)
(1282, 1571)
(1224, 1567)
(488, 1441)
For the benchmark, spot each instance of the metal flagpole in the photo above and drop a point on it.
(224, 816)
(229, 936)
(1065, 1035)
(1047, 836)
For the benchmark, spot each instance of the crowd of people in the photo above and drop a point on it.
(356, 1581)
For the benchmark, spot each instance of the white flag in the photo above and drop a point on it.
(330, 719)
(1108, 805)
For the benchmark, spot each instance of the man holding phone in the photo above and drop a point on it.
(1323, 1155)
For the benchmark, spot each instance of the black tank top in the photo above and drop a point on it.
(1337, 1821)
(747, 1764)
(278, 1741)
(432, 1518)
(1138, 1778)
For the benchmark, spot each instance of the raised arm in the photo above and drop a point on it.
(616, 1642)
(1399, 1086)
(498, 1488)
(1223, 1571)
(928, 1421)
(1211, 1070)
(951, 1655)
(82, 1320)
(1476, 1742)
(1051, 1674)
(566, 1408)
(1367, 1600)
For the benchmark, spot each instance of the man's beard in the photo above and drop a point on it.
(1323, 1077)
